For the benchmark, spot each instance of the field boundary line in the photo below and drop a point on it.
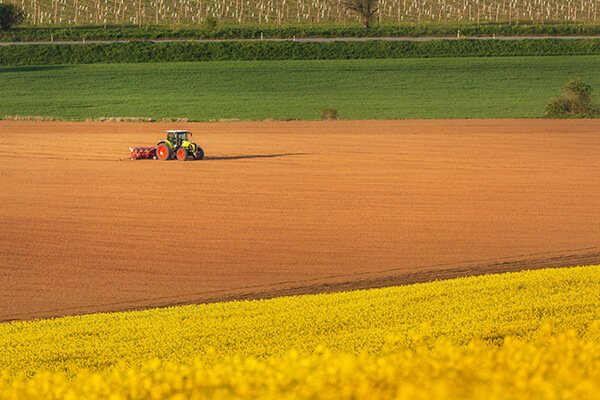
(339, 283)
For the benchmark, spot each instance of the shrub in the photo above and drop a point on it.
(211, 23)
(576, 101)
(329, 114)
(557, 106)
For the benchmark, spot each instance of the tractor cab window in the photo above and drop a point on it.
(171, 137)
(182, 136)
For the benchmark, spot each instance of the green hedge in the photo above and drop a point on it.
(254, 32)
(136, 52)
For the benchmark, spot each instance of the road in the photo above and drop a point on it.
(351, 39)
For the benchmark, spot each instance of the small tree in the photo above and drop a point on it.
(576, 101)
(365, 8)
(10, 15)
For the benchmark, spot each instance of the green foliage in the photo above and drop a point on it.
(10, 15)
(301, 31)
(329, 113)
(557, 107)
(576, 101)
(211, 23)
(256, 90)
(136, 52)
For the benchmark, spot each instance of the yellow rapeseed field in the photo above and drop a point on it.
(527, 335)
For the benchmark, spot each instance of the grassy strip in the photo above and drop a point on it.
(504, 87)
(301, 31)
(138, 52)
(521, 335)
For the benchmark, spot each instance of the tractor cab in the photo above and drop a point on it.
(178, 145)
(178, 137)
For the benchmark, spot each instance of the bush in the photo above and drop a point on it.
(10, 15)
(576, 101)
(329, 114)
(211, 23)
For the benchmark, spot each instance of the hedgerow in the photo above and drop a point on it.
(255, 32)
(139, 52)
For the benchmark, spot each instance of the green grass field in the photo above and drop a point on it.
(508, 87)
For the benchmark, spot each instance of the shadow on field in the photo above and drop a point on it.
(32, 68)
(255, 156)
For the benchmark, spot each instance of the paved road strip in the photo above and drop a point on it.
(346, 39)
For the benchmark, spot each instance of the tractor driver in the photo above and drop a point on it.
(171, 138)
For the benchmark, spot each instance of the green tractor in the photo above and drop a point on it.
(179, 146)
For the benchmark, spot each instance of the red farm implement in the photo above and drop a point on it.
(142, 153)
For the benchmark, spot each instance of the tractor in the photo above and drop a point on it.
(179, 145)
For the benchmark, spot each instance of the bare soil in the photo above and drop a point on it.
(281, 208)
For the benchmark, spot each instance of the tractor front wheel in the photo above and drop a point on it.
(163, 151)
(181, 153)
(199, 154)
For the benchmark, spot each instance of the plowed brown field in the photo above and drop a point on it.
(284, 208)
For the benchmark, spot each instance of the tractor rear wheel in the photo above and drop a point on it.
(163, 151)
(181, 153)
(199, 154)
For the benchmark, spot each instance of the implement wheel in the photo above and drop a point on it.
(164, 152)
(181, 154)
(199, 154)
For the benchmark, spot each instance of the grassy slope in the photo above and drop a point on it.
(360, 89)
